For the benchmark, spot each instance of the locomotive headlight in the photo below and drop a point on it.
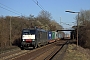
(23, 40)
(33, 40)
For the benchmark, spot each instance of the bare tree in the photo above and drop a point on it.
(54, 23)
(84, 28)
(44, 17)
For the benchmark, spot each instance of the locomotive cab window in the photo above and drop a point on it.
(32, 32)
(25, 32)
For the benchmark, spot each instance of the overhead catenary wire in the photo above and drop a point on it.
(10, 8)
(37, 3)
(66, 24)
(40, 4)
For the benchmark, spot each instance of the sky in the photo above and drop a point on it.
(57, 9)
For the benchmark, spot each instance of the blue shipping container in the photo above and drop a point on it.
(49, 35)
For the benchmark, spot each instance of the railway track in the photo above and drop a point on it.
(56, 50)
(36, 53)
(42, 53)
(48, 55)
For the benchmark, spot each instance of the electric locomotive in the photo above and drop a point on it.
(33, 37)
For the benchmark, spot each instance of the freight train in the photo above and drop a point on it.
(36, 37)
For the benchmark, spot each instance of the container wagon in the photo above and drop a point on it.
(54, 36)
(49, 36)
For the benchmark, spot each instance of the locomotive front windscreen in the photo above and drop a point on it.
(28, 32)
(25, 32)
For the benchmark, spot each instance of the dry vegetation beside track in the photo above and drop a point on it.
(9, 49)
(77, 54)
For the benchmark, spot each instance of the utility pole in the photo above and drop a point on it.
(77, 28)
(77, 23)
(60, 20)
(10, 33)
